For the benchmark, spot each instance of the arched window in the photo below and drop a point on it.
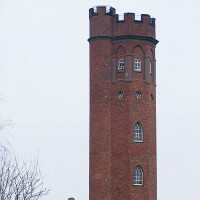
(138, 133)
(121, 64)
(137, 65)
(138, 176)
(150, 67)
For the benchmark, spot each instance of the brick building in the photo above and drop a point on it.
(122, 106)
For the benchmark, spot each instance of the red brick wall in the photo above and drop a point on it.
(113, 154)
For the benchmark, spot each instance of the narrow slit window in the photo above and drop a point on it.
(137, 65)
(138, 133)
(150, 67)
(138, 176)
(121, 64)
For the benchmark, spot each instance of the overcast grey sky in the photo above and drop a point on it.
(44, 83)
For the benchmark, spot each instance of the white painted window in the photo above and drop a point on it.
(150, 67)
(121, 64)
(138, 176)
(137, 65)
(138, 133)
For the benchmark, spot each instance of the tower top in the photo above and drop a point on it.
(108, 10)
(105, 22)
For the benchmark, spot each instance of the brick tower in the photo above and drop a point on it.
(122, 106)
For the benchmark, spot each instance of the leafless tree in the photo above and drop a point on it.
(19, 180)
(4, 123)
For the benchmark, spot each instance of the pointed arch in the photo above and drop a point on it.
(120, 57)
(120, 50)
(138, 175)
(138, 132)
(138, 47)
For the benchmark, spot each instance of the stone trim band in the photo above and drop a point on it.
(122, 37)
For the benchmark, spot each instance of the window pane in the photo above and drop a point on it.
(138, 176)
(137, 64)
(121, 64)
(138, 133)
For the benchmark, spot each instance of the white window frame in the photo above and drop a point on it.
(121, 64)
(138, 132)
(138, 176)
(150, 67)
(137, 65)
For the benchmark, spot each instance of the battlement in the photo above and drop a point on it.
(102, 10)
(104, 22)
(108, 10)
(132, 17)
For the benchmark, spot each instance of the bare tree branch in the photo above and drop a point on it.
(20, 180)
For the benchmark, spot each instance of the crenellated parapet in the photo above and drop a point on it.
(131, 26)
(102, 10)
(105, 23)
(131, 17)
